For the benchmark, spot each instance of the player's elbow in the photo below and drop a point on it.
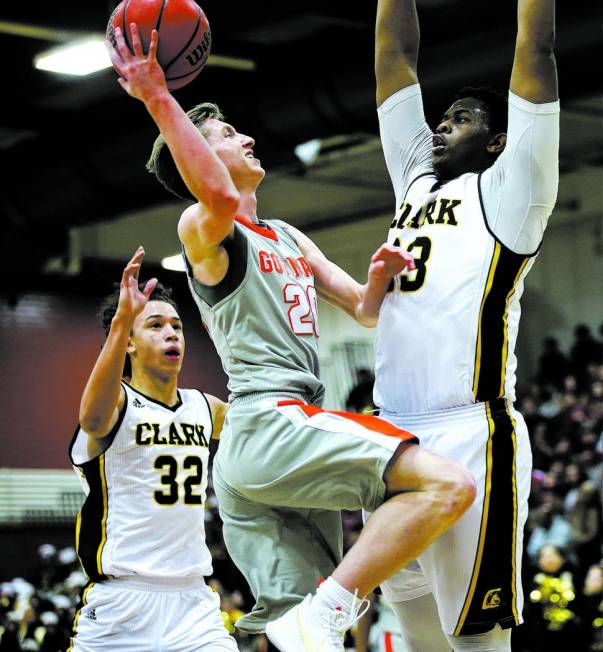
(93, 425)
(536, 46)
(224, 204)
(368, 321)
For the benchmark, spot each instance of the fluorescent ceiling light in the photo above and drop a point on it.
(81, 57)
(174, 263)
(308, 152)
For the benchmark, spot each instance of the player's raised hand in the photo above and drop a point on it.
(389, 260)
(131, 300)
(141, 76)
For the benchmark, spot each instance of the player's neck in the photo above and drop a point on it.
(248, 205)
(158, 387)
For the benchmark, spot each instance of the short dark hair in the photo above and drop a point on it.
(108, 308)
(496, 102)
(161, 163)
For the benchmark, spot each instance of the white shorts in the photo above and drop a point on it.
(131, 615)
(474, 569)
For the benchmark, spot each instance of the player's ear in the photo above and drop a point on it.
(497, 144)
(131, 347)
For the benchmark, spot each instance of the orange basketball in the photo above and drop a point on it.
(184, 34)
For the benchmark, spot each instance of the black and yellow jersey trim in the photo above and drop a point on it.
(91, 524)
(81, 605)
(492, 595)
(492, 345)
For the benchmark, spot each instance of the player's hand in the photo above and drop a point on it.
(131, 300)
(388, 261)
(141, 76)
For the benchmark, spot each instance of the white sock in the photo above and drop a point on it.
(334, 596)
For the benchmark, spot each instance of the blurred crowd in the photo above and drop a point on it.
(563, 575)
(563, 572)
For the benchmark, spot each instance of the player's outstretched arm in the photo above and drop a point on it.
(219, 409)
(201, 170)
(534, 75)
(396, 46)
(103, 397)
(361, 302)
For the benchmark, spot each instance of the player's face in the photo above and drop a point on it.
(157, 341)
(461, 138)
(235, 150)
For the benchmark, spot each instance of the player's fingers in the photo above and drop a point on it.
(153, 45)
(113, 52)
(123, 83)
(378, 255)
(410, 260)
(116, 59)
(135, 270)
(136, 42)
(120, 44)
(378, 267)
(136, 256)
(149, 287)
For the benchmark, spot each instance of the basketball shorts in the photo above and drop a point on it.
(132, 615)
(283, 471)
(474, 569)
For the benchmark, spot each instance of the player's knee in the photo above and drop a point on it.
(456, 491)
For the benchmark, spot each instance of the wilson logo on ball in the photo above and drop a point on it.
(201, 52)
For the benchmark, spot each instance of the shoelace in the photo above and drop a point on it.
(337, 623)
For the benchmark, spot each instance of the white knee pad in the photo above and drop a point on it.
(496, 640)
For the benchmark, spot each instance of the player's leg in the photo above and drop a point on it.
(283, 554)
(435, 493)
(481, 554)
(496, 640)
(420, 625)
(191, 621)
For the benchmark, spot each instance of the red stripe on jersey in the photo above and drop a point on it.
(387, 642)
(367, 421)
(261, 230)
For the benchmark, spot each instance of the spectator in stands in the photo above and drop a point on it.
(550, 611)
(591, 608)
(575, 475)
(585, 350)
(553, 366)
(360, 398)
(585, 521)
(551, 530)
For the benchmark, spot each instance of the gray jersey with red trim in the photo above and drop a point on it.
(263, 317)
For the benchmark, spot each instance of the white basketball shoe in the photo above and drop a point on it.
(310, 626)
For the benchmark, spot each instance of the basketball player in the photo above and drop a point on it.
(285, 466)
(141, 450)
(473, 201)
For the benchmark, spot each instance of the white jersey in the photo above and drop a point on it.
(447, 331)
(145, 494)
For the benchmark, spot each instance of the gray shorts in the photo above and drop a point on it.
(283, 471)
